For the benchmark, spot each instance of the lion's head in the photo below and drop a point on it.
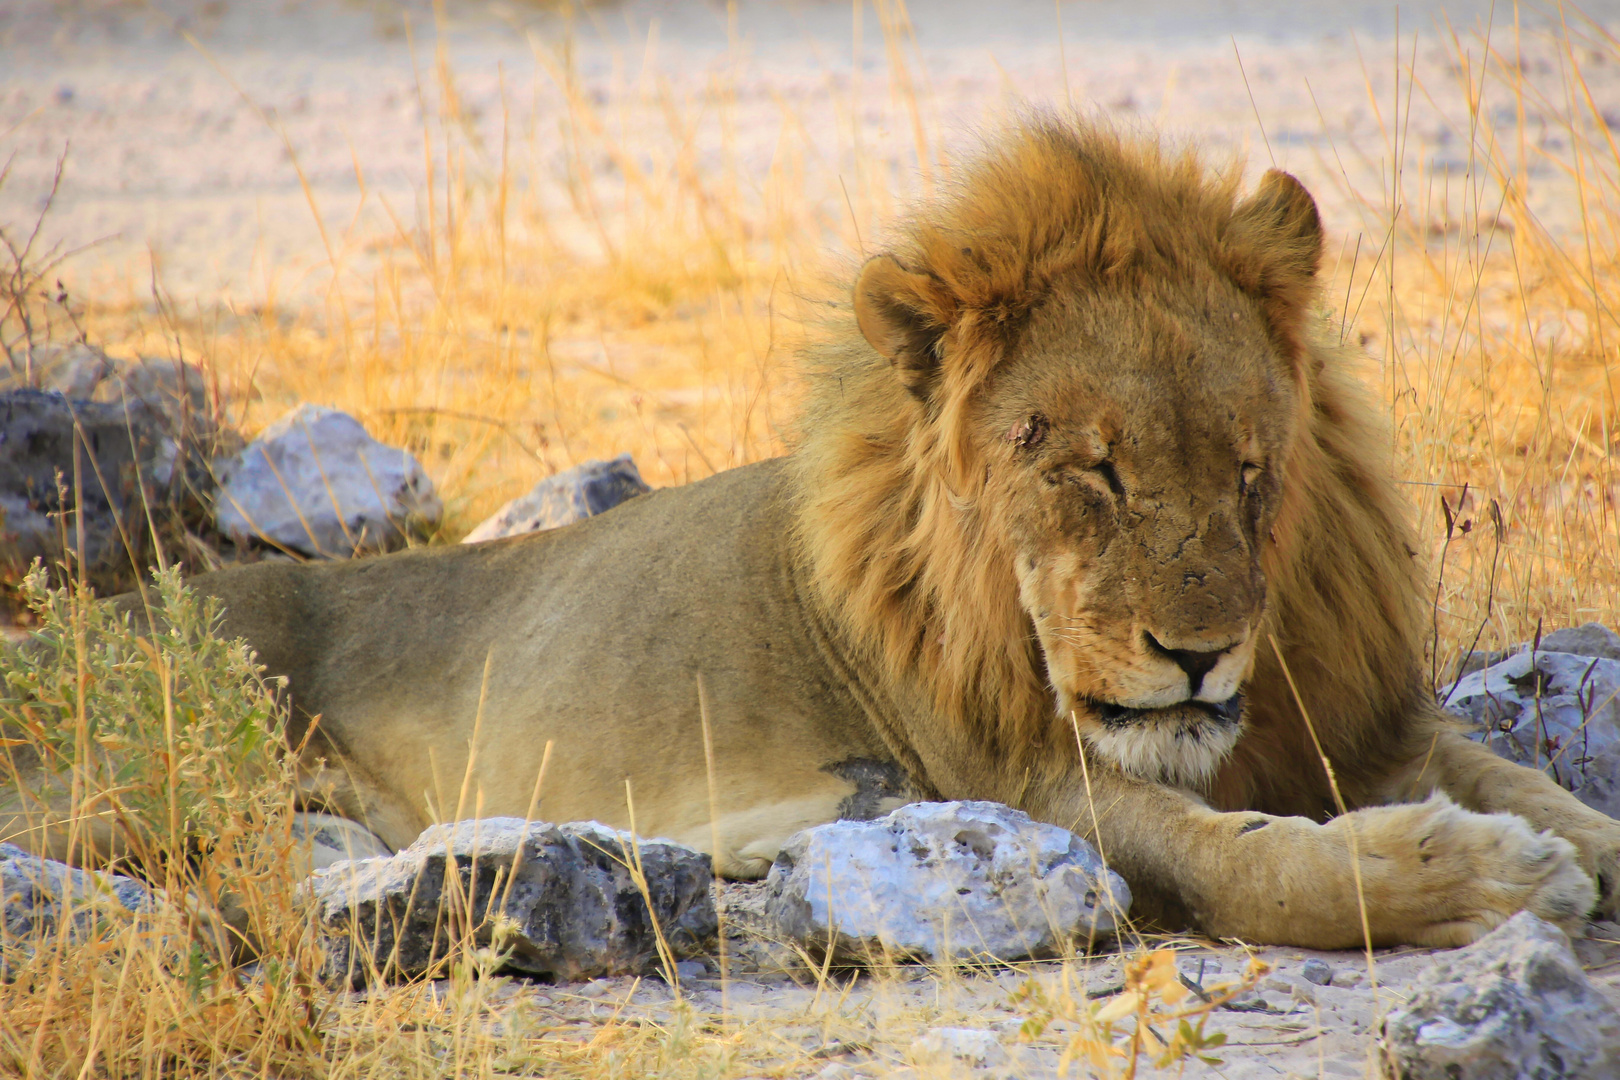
(1050, 470)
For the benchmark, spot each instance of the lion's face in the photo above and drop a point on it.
(1135, 458)
(1108, 374)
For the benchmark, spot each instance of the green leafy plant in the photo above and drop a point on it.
(145, 740)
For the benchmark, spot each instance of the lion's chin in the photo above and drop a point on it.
(1181, 745)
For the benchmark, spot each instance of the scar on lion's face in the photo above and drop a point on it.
(1140, 513)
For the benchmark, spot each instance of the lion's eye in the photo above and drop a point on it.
(1248, 477)
(1110, 476)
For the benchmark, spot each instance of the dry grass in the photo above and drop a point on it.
(650, 301)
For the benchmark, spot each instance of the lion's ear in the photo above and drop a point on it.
(1280, 219)
(903, 316)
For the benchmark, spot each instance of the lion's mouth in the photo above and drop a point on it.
(1225, 713)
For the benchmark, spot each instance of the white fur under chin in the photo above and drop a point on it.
(1169, 753)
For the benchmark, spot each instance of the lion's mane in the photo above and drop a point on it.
(889, 524)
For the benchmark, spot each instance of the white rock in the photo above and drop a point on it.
(1515, 1005)
(981, 1049)
(943, 880)
(572, 495)
(315, 482)
(1558, 710)
(325, 839)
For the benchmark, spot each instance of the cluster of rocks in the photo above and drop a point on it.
(930, 881)
(151, 451)
(119, 440)
(965, 881)
(1553, 705)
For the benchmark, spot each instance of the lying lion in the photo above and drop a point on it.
(1079, 450)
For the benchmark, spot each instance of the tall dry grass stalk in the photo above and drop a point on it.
(648, 299)
(1495, 335)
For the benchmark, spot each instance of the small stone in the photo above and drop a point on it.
(315, 482)
(571, 909)
(1347, 980)
(594, 989)
(979, 1049)
(1318, 972)
(572, 495)
(691, 969)
(42, 898)
(943, 880)
(1513, 1004)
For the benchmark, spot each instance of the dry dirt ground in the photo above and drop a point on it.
(194, 126)
(186, 121)
(841, 1025)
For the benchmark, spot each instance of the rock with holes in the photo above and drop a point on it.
(572, 495)
(316, 483)
(1557, 711)
(558, 901)
(942, 881)
(41, 899)
(1515, 1005)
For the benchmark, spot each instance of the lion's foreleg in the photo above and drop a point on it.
(1431, 873)
(1483, 782)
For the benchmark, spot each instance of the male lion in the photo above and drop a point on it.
(1077, 452)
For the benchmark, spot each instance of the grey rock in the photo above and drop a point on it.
(82, 372)
(315, 482)
(943, 881)
(1318, 972)
(691, 969)
(1515, 1005)
(1588, 639)
(1556, 711)
(42, 898)
(567, 904)
(133, 456)
(572, 495)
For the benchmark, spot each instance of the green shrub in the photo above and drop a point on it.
(151, 743)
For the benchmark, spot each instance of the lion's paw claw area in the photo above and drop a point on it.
(1599, 851)
(1463, 874)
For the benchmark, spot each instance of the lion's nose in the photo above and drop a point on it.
(1195, 662)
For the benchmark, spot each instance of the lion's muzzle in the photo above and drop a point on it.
(1180, 744)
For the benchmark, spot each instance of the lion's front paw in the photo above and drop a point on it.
(1466, 873)
(1597, 845)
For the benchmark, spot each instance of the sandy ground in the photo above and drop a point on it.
(848, 1025)
(185, 153)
